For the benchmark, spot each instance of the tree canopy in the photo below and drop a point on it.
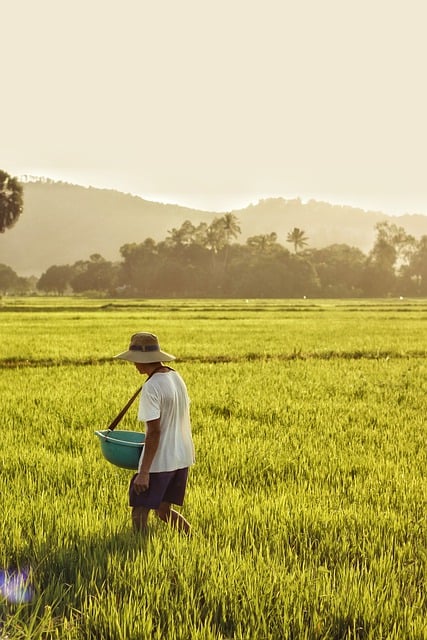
(11, 201)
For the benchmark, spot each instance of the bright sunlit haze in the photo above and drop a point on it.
(216, 106)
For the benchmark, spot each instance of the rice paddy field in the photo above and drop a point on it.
(307, 500)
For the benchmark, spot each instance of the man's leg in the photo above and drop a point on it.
(175, 519)
(139, 518)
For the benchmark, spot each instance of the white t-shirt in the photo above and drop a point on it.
(165, 396)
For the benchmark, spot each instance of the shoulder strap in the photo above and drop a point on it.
(117, 419)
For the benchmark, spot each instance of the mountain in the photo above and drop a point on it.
(63, 223)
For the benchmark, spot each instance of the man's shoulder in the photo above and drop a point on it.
(164, 378)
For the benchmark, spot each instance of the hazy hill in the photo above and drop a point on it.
(63, 223)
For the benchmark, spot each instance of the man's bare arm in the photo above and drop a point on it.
(152, 438)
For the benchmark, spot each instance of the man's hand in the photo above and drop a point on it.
(141, 482)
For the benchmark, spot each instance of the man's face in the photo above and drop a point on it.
(141, 367)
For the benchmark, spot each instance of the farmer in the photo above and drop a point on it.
(168, 451)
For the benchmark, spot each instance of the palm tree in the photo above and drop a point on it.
(231, 230)
(231, 226)
(298, 238)
(11, 202)
(217, 238)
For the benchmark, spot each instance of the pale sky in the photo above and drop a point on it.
(215, 104)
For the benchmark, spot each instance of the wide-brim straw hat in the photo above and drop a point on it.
(145, 348)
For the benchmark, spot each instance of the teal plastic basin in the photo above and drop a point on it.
(122, 448)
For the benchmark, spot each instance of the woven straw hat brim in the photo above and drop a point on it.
(145, 357)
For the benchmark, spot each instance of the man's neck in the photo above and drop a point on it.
(151, 367)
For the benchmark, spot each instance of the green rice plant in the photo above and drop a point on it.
(221, 333)
(307, 500)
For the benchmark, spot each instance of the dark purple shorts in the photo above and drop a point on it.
(165, 486)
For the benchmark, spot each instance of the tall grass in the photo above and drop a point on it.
(308, 498)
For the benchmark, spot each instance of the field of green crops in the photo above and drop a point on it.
(307, 500)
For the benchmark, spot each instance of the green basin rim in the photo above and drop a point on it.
(113, 440)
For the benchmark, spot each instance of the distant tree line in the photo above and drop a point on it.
(205, 260)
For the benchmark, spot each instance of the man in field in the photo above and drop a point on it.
(169, 450)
